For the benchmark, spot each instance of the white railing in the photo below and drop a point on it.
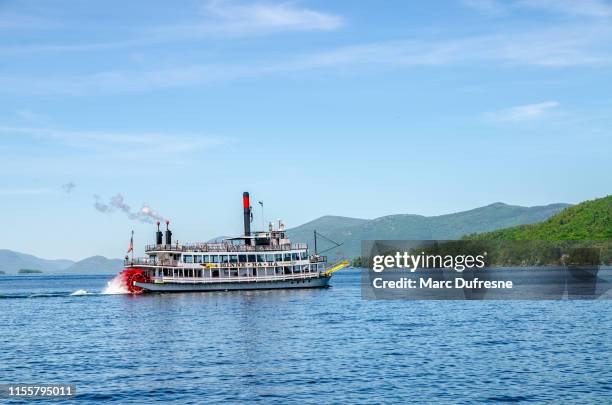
(236, 279)
(224, 247)
(143, 261)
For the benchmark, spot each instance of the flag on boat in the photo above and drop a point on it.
(131, 245)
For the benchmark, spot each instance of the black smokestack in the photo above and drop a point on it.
(168, 234)
(246, 205)
(158, 235)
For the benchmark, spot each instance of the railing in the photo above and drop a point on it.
(224, 247)
(144, 261)
(235, 279)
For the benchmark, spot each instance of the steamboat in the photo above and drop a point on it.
(253, 261)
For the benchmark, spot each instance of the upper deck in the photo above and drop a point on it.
(224, 247)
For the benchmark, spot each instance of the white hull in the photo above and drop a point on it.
(314, 282)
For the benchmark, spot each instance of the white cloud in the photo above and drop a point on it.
(587, 8)
(491, 7)
(244, 18)
(121, 145)
(218, 18)
(24, 191)
(522, 113)
(573, 8)
(578, 45)
(30, 115)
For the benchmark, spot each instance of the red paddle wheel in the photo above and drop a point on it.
(132, 274)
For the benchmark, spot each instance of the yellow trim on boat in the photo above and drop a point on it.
(337, 267)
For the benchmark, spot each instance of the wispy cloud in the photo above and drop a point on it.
(268, 17)
(491, 7)
(589, 8)
(121, 144)
(577, 45)
(217, 18)
(117, 203)
(25, 191)
(522, 113)
(582, 8)
(30, 115)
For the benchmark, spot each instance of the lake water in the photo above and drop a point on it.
(309, 346)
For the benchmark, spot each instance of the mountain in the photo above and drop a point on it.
(352, 231)
(95, 265)
(589, 220)
(342, 229)
(11, 262)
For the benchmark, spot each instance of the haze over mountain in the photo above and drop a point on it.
(342, 229)
(11, 262)
(95, 265)
(352, 231)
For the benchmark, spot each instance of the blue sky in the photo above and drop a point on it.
(348, 108)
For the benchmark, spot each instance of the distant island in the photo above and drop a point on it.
(1, 272)
(29, 271)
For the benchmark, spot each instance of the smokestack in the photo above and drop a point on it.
(158, 235)
(246, 205)
(168, 234)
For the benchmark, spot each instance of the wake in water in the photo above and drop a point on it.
(118, 285)
(80, 292)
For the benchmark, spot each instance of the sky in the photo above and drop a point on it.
(115, 113)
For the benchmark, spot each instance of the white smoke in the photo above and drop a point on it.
(68, 187)
(117, 203)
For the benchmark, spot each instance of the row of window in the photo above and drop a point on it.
(251, 258)
(268, 271)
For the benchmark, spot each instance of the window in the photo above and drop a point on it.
(233, 259)
(252, 258)
(269, 258)
(214, 259)
(278, 257)
(206, 259)
(187, 259)
(242, 258)
(287, 257)
(197, 259)
(224, 259)
(304, 255)
(261, 258)
(294, 256)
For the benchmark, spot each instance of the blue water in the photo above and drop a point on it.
(309, 346)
